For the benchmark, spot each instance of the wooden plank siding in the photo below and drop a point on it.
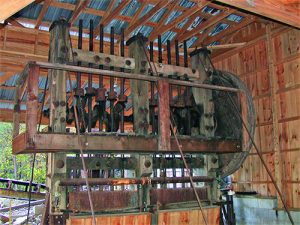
(174, 217)
(251, 64)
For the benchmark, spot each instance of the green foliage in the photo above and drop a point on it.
(24, 162)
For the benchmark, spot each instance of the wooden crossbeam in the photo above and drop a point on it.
(275, 10)
(111, 14)
(9, 8)
(80, 6)
(162, 21)
(187, 13)
(141, 21)
(42, 13)
(205, 25)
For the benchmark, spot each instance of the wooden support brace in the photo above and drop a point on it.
(164, 115)
(32, 102)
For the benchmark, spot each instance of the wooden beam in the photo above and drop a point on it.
(205, 25)
(229, 30)
(137, 14)
(190, 21)
(49, 142)
(80, 6)
(274, 10)
(162, 20)
(9, 7)
(42, 13)
(146, 17)
(110, 15)
(6, 76)
(187, 13)
(14, 22)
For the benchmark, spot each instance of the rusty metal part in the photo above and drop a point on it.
(90, 91)
(103, 200)
(100, 94)
(79, 92)
(166, 196)
(122, 98)
(126, 181)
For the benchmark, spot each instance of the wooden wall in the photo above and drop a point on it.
(175, 217)
(270, 66)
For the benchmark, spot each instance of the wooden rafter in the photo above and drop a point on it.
(162, 21)
(14, 22)
(228, 31)
(42, 13)
(187, 13)
(205, 25)
(6, 76)
(190, 21)
(275, 10)
(9, 8)
(80, 6)
(138, 13)
(206, 33)
(141, 21)
(111, 14)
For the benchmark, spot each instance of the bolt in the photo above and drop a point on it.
(147, 163)
(62, 103)
(96, 58)
(62, 119)
(107, 60)
(143, 63)
(56, 103)
(128, 62)
(60, 163)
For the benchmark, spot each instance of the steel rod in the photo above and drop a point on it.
(101, 47)
(135, 76)
(126, 181)
(122, 86)
(160, 59)
(111, 79)
(90, 78)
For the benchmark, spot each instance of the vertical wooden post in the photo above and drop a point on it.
(163, 115)
(16, 126)
(203, 97)
(58, 53)
(139, 91)
(244, 113)
(275, 131)
(32, 102)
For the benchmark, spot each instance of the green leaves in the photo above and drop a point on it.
(24, 162)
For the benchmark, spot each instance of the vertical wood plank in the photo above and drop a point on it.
(164, 115)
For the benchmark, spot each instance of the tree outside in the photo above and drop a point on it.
(23, 162)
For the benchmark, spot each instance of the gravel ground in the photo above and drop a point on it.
(19, 216)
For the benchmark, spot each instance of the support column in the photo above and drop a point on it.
(140, 101)
(203, 97)
(164, 141)
(275, 131)
(204, 100)
(58, 53)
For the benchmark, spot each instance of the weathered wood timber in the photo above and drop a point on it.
(50, 142)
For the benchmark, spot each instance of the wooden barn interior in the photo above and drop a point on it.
(156, 112)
